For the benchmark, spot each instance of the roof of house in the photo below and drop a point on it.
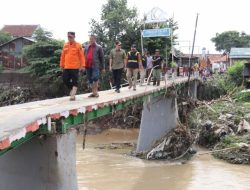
(29, 39)
(20, 30)
(195, 56)
(217, 58)
(240, 53)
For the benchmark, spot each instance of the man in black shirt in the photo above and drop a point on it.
(157, 64)
(133, 64)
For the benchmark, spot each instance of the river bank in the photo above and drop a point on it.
(223, 127)
(105, 169)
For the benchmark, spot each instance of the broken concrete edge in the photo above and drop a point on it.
(69, 117)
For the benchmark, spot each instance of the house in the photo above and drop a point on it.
(212, 61)
(239, 54)
(20, 30)
(218, 61)
(11, 52)
(184, 60)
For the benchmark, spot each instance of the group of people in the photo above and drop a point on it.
(91, 60)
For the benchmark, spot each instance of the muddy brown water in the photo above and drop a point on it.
(106, 169)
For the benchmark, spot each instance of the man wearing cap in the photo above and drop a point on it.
(157, 65)
(133, 64)
(117, 61)
(94, 63)
(72, 59)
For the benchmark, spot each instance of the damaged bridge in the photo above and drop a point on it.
(27, 162)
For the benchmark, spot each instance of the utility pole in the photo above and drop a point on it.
(172, 43)
(192, 53)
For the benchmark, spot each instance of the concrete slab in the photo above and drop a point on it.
(17, 120)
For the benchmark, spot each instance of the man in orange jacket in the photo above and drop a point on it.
(72, 59)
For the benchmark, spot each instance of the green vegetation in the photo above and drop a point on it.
(4, 37)
(43, 64)
(218, 122)
(234, 152)
(243, 96)
(230, 83)
(236, 72)
(173, 64)
(1, 68)
(226, 40)
(118, 22)
(44, 58)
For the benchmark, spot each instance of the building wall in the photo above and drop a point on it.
(11, 53)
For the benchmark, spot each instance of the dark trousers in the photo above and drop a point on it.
(70, 77)
(117, 75)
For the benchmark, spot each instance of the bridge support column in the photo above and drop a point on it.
(193, 89)
(48, 164)
(156, 121)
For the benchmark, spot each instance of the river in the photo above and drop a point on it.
(106, 169)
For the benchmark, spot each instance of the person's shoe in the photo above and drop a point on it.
(73, 93)
(134, 89)
(129, 87)
(158, 83)
(93, 96)
(118, 90)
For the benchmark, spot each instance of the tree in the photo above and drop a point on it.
(43, 35)
(118, 22)
(43, 63)
(5, 37)
(226, 40)
(43, 58)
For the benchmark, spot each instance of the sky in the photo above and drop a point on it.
(60, 16)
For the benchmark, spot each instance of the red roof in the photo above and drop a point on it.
(20, 30)
(217, 58)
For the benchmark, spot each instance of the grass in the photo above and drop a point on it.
(24, 70)
(236, 155)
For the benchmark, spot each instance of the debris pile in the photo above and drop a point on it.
(175, 145)
(237, 149)
(223, 126)
(123, 119)
(15, 95)
(116, 145)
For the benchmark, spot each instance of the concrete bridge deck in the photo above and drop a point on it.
(22, 121)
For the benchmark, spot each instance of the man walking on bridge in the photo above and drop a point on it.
(72, 59)
(133, 64)
(157, 64)
(94, 62)
(117, 61)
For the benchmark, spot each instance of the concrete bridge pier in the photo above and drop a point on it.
(158, 117)
(193, 88)
(40, 164)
